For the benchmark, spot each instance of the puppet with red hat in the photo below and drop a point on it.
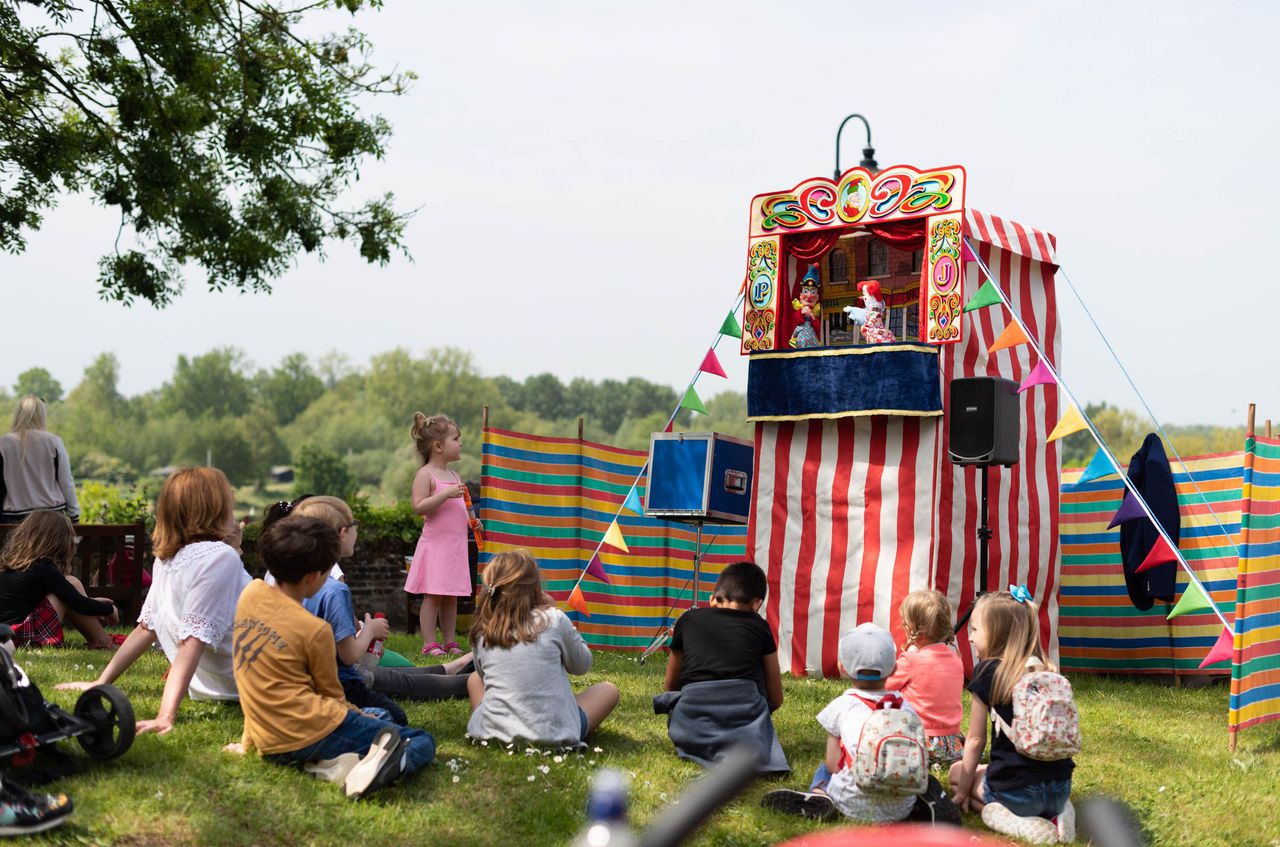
(808, 308)
(873, 329)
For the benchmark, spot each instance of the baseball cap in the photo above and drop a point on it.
(868, 652)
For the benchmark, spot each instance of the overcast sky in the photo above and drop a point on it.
(583, 172)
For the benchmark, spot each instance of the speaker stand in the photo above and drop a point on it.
(661, 639)
(984, 542)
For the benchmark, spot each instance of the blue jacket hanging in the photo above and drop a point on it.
(1150, 473)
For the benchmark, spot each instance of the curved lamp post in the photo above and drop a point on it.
(868, 152)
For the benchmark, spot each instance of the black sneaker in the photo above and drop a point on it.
(934, 806)
(23, 812)
(802, 803)
(370, 772)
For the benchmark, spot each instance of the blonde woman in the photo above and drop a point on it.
(35, 471)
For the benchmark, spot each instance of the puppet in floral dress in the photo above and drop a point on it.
(873, 329)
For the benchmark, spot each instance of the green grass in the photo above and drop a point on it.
(1160, 749)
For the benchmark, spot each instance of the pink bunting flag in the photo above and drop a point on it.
(594, 568)
(1130, 510)
(1160, 554)
(670, 424)
(1222, 649)
(711, 365)
(966, 254)
(1040, 375)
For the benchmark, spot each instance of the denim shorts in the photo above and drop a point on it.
(1038, 799)
(582, 724)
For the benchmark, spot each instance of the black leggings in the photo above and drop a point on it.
(421, 683)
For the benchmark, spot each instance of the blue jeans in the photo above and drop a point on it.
(355, 735)
(820, 777)
(1038, 799)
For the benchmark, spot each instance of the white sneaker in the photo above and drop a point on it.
(333, 770)
(1067, 823)
(1037, 830)
(368, 772)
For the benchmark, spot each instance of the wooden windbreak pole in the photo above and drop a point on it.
(581, 423)
(1267, 427)
(484, 417)
(1248, 428)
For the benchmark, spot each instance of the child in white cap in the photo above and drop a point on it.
(867, 656)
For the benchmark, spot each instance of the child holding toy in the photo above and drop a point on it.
(1020, 796)
(525, 649)
(930, 673)
(440, 571)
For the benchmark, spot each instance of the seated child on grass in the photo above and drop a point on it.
(525, 649)
(722, 678)
(930, 674)
(866, 656)
(294, 708)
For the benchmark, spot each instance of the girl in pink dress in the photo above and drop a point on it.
(440, 570)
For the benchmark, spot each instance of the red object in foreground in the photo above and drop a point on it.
(375, 646)
(898, 835)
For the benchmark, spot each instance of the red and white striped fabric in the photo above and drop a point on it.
(852, 514)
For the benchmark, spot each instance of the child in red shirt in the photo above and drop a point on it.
(929, 673)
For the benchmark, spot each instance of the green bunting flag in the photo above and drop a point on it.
(693, 402)
(983, 297)
(731, 327)
(1192, 600)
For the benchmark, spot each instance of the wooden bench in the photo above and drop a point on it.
(99, 543)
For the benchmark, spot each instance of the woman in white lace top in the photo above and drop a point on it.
(196, 581)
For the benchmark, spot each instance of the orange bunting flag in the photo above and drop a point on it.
(711, 365)
(1071, 422)
(614, 538)
(1222, 649)
(1011, 337)
(577, 602)
(1160, 554)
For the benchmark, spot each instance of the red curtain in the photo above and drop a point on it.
(810, 246)
(904, 235)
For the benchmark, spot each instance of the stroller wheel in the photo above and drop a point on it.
(110, 713)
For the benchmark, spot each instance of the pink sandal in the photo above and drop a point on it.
(453, 648)
(433, 649)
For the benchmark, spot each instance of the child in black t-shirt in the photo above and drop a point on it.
(728, 639)
(722, 683)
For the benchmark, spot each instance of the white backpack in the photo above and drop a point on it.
(891, 757)
(1046, 724)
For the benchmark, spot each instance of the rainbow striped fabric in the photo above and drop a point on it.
(556, 498)
(1255, 671)
(1099, 629)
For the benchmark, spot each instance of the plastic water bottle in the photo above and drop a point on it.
(606, 813)
(375, 647)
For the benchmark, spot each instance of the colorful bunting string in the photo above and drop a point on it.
(1040, 375)
(577, 601)
(1160, 554)
(692, 402)
(632, 503)
(596, 569)
(1130, 510)
(1070, 422)
(1098, 467)
(731, 327)
(711, 365)
(1012, 336)
(613, 537)
(1192, 600)
(986, 295)
(1222, 649)
(966, 252)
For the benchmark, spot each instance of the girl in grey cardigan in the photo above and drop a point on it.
(525, 648)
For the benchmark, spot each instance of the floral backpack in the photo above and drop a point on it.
(1046, 724)
(891, 757)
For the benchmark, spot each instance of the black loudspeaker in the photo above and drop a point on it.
(982, 421)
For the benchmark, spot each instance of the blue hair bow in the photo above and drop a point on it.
(1020, 593)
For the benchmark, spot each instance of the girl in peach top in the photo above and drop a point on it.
(930, 674)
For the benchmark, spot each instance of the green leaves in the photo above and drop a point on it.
(224, 137)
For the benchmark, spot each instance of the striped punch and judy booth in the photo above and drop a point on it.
(856, 502)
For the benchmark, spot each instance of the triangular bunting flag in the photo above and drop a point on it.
(1222, 649)
(1040, 375)
(614, 538)
(1130, 510)
(731, 327)
(1070, 422)
(711, 365)
(966, 254)
(1160, 554)
(692, 402)
(577, 602)
(596, 569)
(632, 503)
(986, 295)
(1011, 337)
(1098, 467)
(670, 424)
(1192, 600)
